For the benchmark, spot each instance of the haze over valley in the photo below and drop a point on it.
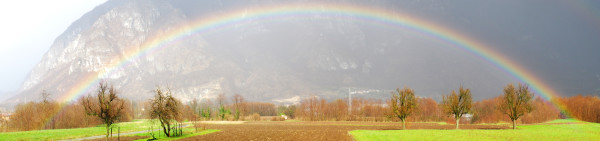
(285, 58)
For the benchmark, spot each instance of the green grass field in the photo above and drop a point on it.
(59, 134)
(568, 130)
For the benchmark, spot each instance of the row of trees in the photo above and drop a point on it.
(315, 109)
(586, 108)
(109, 108)
(236, 109)
(486, 111)
(49, 114)
(515, 103)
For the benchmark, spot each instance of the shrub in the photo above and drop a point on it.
(256, 117)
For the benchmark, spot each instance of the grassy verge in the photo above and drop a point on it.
(570, 120)
(59, 134)
(581, 131)
(187, 132)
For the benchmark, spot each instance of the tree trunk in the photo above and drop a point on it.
(107, 131)
(168, 131)
(514, 124)
(403, 125)
(457, 120)
(165, 131)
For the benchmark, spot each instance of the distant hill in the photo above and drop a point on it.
(263, 60)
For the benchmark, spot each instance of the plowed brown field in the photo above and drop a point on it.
(310, 131)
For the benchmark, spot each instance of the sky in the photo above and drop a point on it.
(558, 40)
(29, 28)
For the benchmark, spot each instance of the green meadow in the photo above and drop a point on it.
(564, 129)
(61, 134)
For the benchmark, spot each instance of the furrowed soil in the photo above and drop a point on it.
(329, 131)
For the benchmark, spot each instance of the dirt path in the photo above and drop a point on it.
(115, 134)
(334, 131)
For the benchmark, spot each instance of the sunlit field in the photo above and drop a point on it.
(299, 70)
(563, 129)
(60, 134)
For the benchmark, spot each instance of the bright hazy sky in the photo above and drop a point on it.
(28, 28)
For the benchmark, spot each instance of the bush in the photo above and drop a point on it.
(256, 117)
(277, 118)
(46, 115)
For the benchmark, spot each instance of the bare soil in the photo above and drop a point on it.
(291, 131)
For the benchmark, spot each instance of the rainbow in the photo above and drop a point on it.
(345, 10)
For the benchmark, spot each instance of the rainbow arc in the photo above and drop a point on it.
(383, 16)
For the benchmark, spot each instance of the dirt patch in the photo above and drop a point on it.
(128, 138)
(222, 122)
(334, 131)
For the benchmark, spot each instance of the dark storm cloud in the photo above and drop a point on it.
(558, 41)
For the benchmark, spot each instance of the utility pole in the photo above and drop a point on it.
(349, 101)
(350, 93)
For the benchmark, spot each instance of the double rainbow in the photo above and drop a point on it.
(400, 20)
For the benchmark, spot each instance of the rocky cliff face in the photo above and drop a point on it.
(100, 38)
(263, 60)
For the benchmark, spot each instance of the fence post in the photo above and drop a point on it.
(119, 134)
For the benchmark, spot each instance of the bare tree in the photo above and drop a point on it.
(238, 102)
(194, 104)
(516, 103)
(403, 104)
(166, 109)
(222, 110)
(109, 107)
(49, 108)
(46, 97)
(458, 105)
(3, 122)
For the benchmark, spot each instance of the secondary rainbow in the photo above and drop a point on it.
(351, 11)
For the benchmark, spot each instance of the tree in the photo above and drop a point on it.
(46, 97)
(486, 111)
(428, 110)
(109, 107)
(238, 102)
(516, 102)
(581, 107)
(166, 109)
(222, 110)
(289, 111)
(194, 105)
(205, 110)
(457, 105)
(403, 103)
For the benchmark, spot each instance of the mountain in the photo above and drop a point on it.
(278, 60)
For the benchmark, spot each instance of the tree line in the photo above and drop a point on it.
(516, 105)
(50, 114)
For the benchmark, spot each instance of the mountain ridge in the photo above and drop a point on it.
(263, 61)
